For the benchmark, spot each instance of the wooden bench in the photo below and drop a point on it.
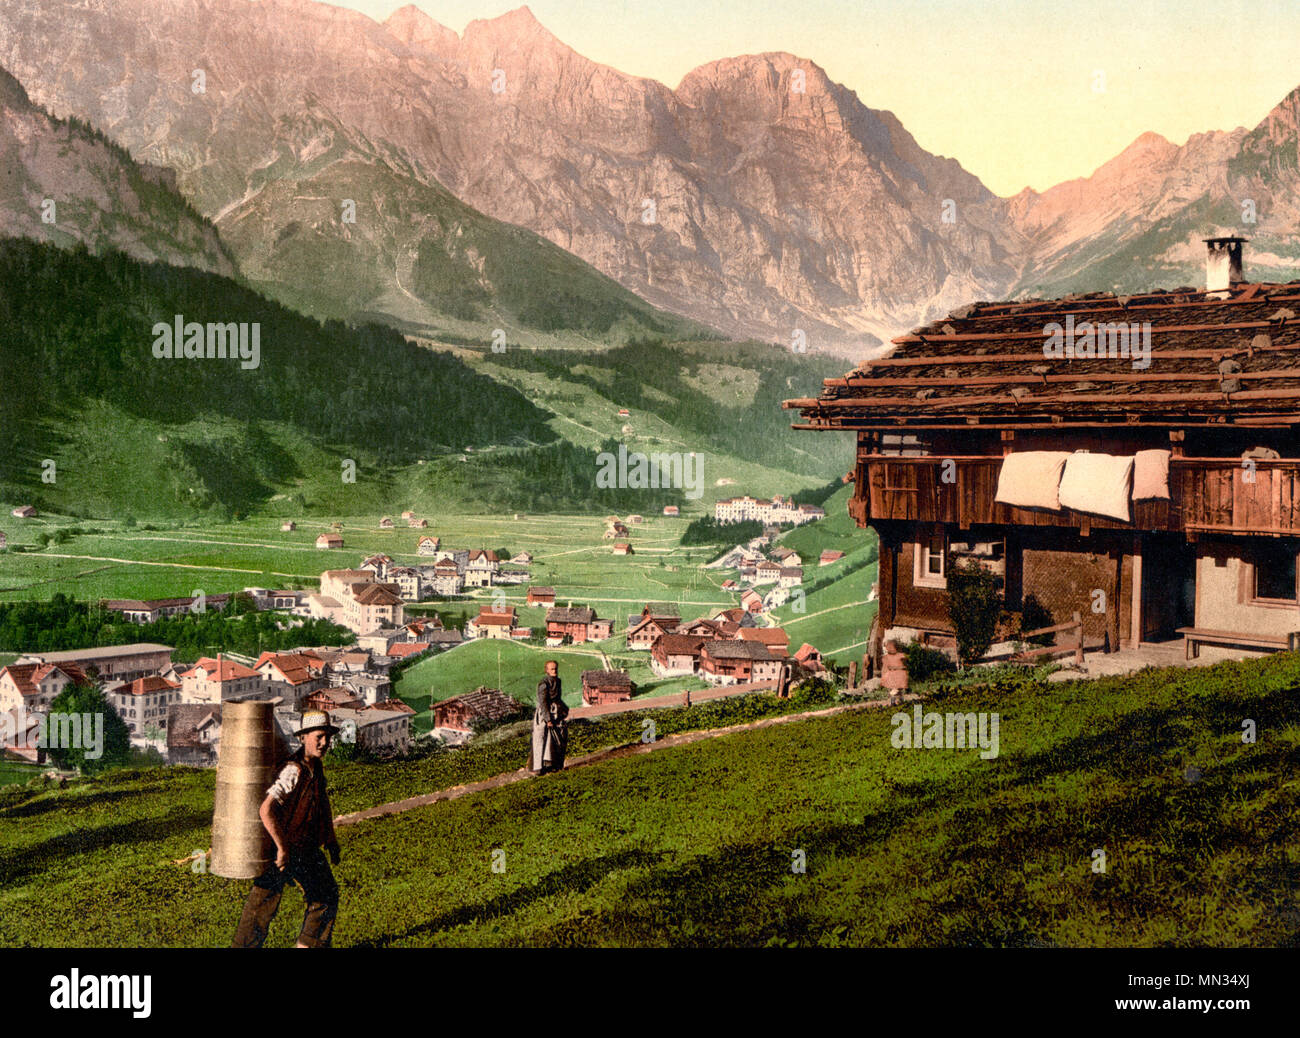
(1195, 637)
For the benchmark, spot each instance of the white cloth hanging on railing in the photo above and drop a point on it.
(1098, 484)
(1030, 479)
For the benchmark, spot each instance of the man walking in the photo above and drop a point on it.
(296, 812)
(550, 727)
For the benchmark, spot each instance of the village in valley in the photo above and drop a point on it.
(414, 610)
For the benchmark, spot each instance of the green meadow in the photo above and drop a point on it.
(1120, 812)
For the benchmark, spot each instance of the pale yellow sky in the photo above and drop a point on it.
(1010, 89)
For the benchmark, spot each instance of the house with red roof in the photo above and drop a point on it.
(216, 680)
(674, 654)
(292, 675)
(733, 661)
(776, 641)
(145, 702)
(606, 686)
(541, 596)
(704, 627)
(377, 564)
(33, 686)
(481, 567)
(810, 658)
(369, 606)
(577, 624)
(405, 650)
(492, 623)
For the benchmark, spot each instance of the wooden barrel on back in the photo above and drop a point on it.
(250, 748)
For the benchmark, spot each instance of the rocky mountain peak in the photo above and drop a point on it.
(519, 26)
(413, 27)
(765, 86)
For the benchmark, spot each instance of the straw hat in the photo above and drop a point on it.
(314, 720)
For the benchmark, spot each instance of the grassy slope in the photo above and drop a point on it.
(693, 845)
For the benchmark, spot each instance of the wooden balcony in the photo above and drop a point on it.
(1207, 495)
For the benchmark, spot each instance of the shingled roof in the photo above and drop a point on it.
(489, 704)
(1212, 361)
(571, 615)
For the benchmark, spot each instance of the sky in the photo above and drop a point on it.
(1021, 92)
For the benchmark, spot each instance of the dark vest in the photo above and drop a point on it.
(305, 815)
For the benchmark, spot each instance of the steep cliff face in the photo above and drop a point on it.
(64, 183)
(758, 197)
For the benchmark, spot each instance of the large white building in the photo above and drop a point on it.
(778, 510)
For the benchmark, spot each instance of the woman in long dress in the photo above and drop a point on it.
(550, 727)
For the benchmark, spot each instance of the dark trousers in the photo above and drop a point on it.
(311, 872)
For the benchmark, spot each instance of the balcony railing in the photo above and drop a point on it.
(1207, 495)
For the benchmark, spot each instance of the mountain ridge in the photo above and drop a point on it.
(758, 197)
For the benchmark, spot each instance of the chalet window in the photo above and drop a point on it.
(1275, 574)
(930, 568)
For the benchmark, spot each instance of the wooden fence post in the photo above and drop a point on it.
(853, 673)
(1078, 652)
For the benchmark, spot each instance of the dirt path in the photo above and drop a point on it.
(628, 750)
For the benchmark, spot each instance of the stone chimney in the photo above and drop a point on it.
(1222, 265)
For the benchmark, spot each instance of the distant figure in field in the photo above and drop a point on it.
(550, 727)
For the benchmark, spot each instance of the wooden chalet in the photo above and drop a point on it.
(576, 623)
(539, 595)
(1153, 494)
(605, 686)
(673, 654)
(483, 705)
(732, 661)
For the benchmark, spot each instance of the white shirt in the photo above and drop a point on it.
(285, 783)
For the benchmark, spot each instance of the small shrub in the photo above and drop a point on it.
(973, 607)
(813, 692)
(925, 663)
(1033, 615)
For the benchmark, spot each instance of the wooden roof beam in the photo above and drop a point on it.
(1138, 302)
(1038, 333)
(1118, 399)
(939, 360)
(923, 423)
(1089, 376)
